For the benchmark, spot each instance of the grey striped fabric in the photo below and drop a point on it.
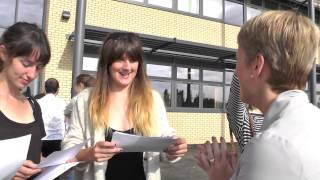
(238, 116)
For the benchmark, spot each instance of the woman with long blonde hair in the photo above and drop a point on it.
(124, 101)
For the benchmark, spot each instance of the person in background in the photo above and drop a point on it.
(52, 113)
(83, 81)
(39, 96)
(24, 52)
(242, 121)
(124, 101)
(273, 70)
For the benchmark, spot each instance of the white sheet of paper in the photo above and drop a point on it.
(52, 172)
(13, 153)
(134, 143)
(61, 157)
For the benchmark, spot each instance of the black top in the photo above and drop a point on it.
(125, 165)
(10, 129)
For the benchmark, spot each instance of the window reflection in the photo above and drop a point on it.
(255, 2)
(30, 11)
(209, 5)
(226, 94)
(158, 70)
(233, 13)
(162, 3)
(212, 96)
(137, 0)
(270, 4)
(318, 92)
(213, 76)
(187, 73)
(191, 6)
(1, 31)
(229, 75)
(164, 89)
(187, 95)
(252, 12)
(7, 12)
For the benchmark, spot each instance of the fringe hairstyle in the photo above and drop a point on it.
(24, 39)
(140, 107)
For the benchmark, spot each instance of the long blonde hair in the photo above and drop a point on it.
(140, 106)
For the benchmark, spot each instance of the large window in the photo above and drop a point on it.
(162, 3)
(30, 11)
(209, 5)
(164, 89)
(191, 6)
(233, 13)
(252, 12)
(159, 70)
(12, 11)
(318, 87)
(187, 95)
(7, 13)
(188, 86)
(228, 79)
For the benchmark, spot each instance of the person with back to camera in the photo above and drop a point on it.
(52, 108)
(273, 69)
(24, 52)
(122, 100)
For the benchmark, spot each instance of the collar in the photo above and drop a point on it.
(278, 106)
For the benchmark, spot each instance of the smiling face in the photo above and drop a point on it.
(21, 70)
(122, 72)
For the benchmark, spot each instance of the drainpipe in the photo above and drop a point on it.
(79, 39)
(312, 78)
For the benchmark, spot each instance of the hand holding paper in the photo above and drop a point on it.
(104, 150)
(178, 149)
(56, 163)
(27, 170)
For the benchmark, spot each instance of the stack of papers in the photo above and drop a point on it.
(134, 143)
(55, 164)
(13, 153)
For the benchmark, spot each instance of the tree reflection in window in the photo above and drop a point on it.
(212, 96)
(164, 89)
(187, 95)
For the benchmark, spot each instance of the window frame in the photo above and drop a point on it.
(176, 62)
(244, 4)
(44, 12)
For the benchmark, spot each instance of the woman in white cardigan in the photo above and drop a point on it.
(122, 100)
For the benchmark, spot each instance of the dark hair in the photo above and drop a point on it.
(86, 79)
(22, 38)
(51, 85)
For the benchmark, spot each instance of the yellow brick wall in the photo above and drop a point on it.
(128, 17)
(199, 127)
(60, 65)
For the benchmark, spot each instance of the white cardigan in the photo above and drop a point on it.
(80, 130)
